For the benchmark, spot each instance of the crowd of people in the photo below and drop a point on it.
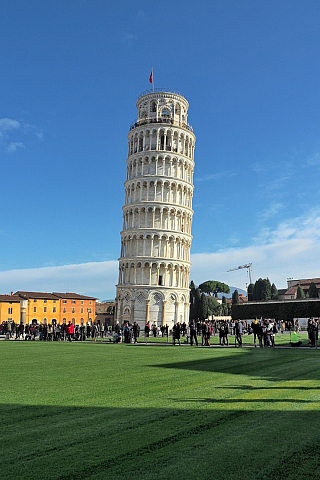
(263, 331)
(53, 332)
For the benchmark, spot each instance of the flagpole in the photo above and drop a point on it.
(151, 80)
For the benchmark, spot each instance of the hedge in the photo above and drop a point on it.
(285, 310)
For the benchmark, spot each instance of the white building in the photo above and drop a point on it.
(156, 237)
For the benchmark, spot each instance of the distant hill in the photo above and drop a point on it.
(232, 289)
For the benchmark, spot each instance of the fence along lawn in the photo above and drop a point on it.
(78, 411)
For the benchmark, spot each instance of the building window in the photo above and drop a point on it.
(54, 301)
(81, 310)
(44, 309)
(81, 302)
(45, 301)
(54, 309)
(64, 310)
(34, 309)
(90, 302)
(10, 311)
(73, 310)
(34, 299)
(73, 302)
(64, 301)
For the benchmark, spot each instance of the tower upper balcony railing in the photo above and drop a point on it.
(167, 120)
(161, 90)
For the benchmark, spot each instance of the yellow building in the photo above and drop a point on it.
(42, 307)
(9, 308)
(58, 307)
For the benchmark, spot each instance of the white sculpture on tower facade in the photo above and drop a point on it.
(154, 265)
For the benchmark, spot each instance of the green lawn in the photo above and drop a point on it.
(280, 339)
(104, 411)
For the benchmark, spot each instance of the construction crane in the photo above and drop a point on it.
(248, 266)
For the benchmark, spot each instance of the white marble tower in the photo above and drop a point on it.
(156, 236)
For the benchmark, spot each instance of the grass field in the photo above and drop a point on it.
(104, 411)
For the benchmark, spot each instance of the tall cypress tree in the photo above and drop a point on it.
(274, 292)
(235, 298)
(300, 292)
(250, 292)
(313, 291)
(203, 310)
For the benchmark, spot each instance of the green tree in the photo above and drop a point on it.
(192, 301)
(197, 301)
(300, 292)
(203, 310)
(262, 289)
(235, 298)
(274, 292)
(215, 287)
(250, 292)
(313, 291)
(213, 306)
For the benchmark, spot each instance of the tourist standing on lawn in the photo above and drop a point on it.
(135, 331)
(176, 332)
(204, 333)
(238, 332)
(255, 330)
(147, 329)
(193, 333)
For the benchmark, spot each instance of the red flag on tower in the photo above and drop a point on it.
(151, 77)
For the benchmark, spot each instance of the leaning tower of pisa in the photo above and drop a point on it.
(154, 264)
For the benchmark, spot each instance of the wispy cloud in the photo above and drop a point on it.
(129, 39)
(289, 250)
(216, 176)
(7, 124)
(314, 159)
(12, 147)
(10, 129)
(95, 278)
(271, 211)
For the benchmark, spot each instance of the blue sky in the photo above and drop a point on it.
(71, 73)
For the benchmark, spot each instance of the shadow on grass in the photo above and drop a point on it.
(271, 364)
(73, 443)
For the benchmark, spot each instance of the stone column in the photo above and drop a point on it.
(176, 313)
(163, 319)
(147, 310)
(23, 311)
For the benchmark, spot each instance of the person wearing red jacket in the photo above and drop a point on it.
(70, 331)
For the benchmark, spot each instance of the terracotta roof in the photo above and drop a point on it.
(36, 295)
(291, 291)
(10, 298)
(307, 281)
(74, 296)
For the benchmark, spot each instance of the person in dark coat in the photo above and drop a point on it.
(238, 332)
(176, 333)
(193, 333)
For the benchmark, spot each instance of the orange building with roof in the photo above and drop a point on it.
(76, 308)
(58, 307)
